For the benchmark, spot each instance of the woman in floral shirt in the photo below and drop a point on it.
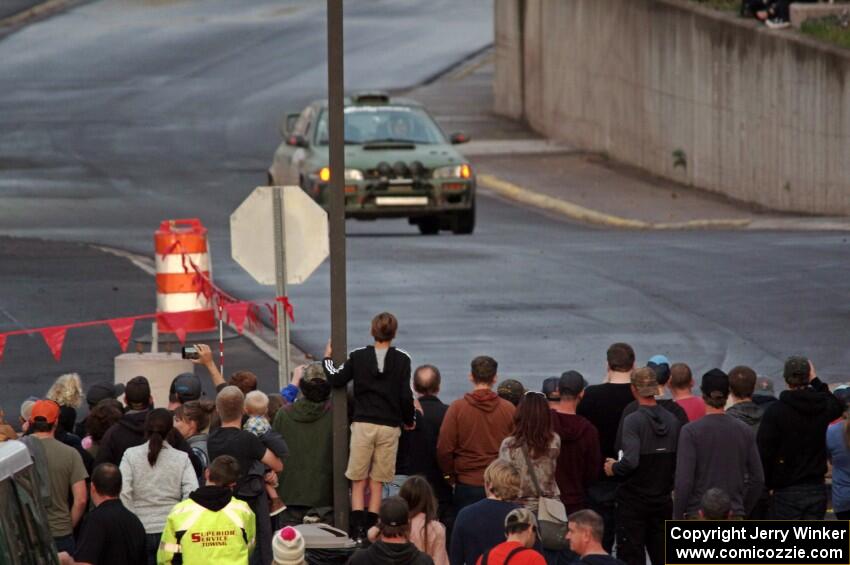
(533, 434)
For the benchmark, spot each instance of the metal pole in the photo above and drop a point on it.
(280, 282)
(220, 336)
(337, 251)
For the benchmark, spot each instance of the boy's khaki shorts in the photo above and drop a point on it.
(373, 452)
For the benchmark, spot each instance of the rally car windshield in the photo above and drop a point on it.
(384, 124)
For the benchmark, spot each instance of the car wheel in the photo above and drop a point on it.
(464, 222)
(429, 225)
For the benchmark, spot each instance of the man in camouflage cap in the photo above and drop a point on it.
(646, 464)
(511, 390)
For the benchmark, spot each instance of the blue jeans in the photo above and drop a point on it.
(65, 543)
(466, 495)
(799, 502)
(392, 488)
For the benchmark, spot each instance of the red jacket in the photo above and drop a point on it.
(472, 432)
(580, 460)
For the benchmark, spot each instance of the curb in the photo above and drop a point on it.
(587, 215)
(44, 8)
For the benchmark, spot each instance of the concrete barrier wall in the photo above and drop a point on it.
(697, 96)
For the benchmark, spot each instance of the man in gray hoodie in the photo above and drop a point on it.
(742, 384)
(647, 464)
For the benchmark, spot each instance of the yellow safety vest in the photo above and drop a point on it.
(200, 535)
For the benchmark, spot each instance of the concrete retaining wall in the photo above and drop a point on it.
(684, 92)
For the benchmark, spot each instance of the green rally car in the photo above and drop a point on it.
(398, 162)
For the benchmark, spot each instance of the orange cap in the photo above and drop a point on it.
(45, 409)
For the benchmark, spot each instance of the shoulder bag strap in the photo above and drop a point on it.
(510, 555)
(531, 470)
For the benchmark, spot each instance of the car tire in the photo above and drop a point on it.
(464, 222)
(429, 225)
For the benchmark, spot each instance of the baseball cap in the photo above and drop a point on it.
(511, 390)
(571, 383)
(661, 366)
(313, 371)
(186, 387)
(550, 388)
(796, 370)
(137, 391)
(102, 391)
(394, 511)
(715, 384)
(764, 387)
(842, 393)
(644, 381)
(46, 411)
(520, 516)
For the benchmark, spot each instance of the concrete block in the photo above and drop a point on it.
(159, 368)
(802, 12)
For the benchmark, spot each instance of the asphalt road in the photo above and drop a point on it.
(51, 283)
(119, 114)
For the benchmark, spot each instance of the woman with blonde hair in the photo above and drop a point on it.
(67, 390)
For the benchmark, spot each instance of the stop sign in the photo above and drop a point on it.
(252, 234)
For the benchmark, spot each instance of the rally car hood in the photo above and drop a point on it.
(368, 156)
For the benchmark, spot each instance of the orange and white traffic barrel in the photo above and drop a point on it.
(181, 245)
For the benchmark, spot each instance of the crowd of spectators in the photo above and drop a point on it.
(225, 481)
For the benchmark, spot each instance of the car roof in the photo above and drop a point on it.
(371, 99)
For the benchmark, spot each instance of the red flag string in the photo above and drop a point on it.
(237, 313)
(287, 307)
(55, 339)
(2, 345)
(123, 329)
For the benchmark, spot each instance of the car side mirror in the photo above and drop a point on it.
(288, 124)
(459, 137)
(296, 141)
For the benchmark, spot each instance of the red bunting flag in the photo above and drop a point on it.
(287, 307)
(176, 322)
(2, 345)
(123, 329)
(237, 312)
(54, 338)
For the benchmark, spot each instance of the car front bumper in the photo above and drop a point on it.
(365, 200)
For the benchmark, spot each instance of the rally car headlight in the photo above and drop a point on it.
(324, 174)
(353, 174)
(453, 172)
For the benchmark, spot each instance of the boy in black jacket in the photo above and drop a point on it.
(383, 402)
(792, 443)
